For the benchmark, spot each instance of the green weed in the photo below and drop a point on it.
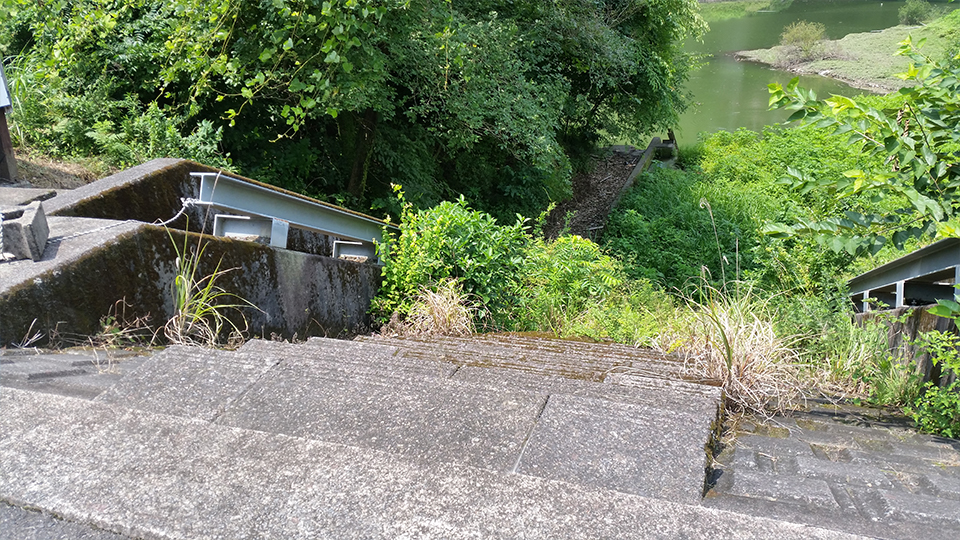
(200, 304)
(936, 409)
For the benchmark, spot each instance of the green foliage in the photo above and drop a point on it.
(451, 241)
(508, 279)
(915, 12)
(937, 409)
(805, 39)
(919, 140)
(662, 233)
(634, 313)
(892, 382)
(561, 278)
(485, 98)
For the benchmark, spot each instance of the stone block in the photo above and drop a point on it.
(425, 419)
(946, 486)
(25, 231)
(844, 473)
(624, 447)
(783, 488)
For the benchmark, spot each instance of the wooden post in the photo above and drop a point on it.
(8, 163)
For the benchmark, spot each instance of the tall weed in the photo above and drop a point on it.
(730, 338)
(200, 304)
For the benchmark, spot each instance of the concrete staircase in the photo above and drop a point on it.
(487, 437)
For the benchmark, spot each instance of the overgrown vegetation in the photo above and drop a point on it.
(495, 100)
(937, 408)
(803, 41)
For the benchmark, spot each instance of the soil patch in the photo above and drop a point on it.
(594, 193)
(42, 171)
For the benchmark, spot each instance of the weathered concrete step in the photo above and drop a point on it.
(71, 374)
(354, 357)
(426, 417)
(349, 356)
(558, 361)
(156, 476)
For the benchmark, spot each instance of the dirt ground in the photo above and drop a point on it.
(594, 194)
(42, 171)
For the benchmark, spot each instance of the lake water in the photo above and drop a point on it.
(729, 94)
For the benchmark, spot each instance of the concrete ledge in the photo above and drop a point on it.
(90, 264)
(25, 232)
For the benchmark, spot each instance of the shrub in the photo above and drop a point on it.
(561, 277)
(937, 409)
(505, 278)
(452, 241)
(915, 12)
(804, 39)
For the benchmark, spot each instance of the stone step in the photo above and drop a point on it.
(352, 356)
(85, 375)
(412, 408)
(150, 475)
(552, 357)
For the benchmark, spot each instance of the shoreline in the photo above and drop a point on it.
(865, 60)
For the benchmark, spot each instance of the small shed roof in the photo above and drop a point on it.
(923, 276)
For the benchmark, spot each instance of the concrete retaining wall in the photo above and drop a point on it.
(297, 292)
(90, 264)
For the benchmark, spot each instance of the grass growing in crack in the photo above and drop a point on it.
(200, 304)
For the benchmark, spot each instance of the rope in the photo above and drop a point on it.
(185, 203)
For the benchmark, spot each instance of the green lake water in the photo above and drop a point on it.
(729, 94)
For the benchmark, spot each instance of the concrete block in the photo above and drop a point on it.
(425, 419)
(784, 488)
(25, 231)
(624, 447)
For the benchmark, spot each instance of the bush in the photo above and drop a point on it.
(937, 409)
(562, 277)
(804, 39)
(451, 241)
(915, 12)
(507, 279)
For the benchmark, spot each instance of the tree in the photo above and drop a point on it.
(490, 98)
(920, 140)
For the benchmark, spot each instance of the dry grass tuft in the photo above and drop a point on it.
(440, 310)
(729, 338)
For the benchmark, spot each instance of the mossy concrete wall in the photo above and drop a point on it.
(296, 292)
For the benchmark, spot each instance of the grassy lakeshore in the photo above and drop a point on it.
(866, 60)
